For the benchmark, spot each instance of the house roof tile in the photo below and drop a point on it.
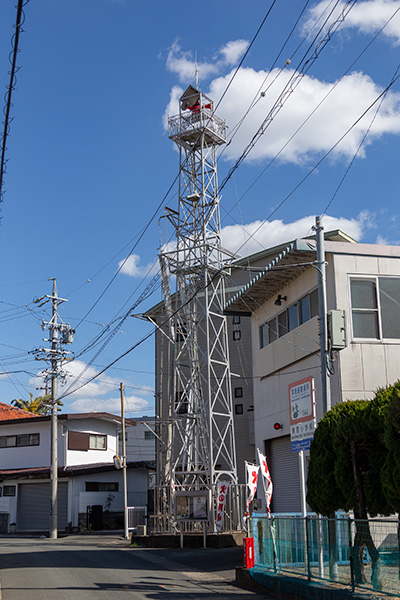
(8, 412)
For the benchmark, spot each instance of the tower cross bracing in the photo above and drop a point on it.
(201, 446)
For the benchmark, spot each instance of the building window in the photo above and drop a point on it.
(238, 392)
(101, 486)
(97, 442)
(236, 335)
(236, 319)
(238, 409)
(375, 307)
(12, 441)
(149, 435)
(301, 311)
(8, 490)
(181, 404)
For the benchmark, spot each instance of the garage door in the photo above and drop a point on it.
(34, 506)
(284, 469)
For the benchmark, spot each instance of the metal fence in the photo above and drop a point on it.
(163, 520)
(137, 515)
(360, 554)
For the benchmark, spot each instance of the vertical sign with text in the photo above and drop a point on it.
(302, 413)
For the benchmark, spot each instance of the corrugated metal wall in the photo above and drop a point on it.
(34, 506)
(284, 468)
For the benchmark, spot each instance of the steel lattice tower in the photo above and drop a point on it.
(201, 448)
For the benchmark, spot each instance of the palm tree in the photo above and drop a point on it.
(39, 405)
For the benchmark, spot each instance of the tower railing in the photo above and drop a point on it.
(185, 125)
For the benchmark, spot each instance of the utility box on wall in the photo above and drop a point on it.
(337, 329)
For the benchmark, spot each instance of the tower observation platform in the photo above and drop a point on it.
(196, 122)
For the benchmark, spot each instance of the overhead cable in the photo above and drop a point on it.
(303, 67)
(10, 88)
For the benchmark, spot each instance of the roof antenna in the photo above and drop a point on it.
(196, 72)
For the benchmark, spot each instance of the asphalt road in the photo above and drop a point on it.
(87, 567)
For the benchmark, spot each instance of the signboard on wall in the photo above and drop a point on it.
(192, 506)
(302, 413)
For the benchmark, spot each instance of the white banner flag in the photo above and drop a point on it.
(268, 487)
(222, 489)
(251, 479)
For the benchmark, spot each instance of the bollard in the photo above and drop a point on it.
(248, 553)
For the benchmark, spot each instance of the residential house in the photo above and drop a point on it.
(140, 440)
(87, 473)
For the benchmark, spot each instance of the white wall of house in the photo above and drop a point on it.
(79, 499)
(140, 442)
(137, 485)
(27, 456)
(95, 426)
(19, 457)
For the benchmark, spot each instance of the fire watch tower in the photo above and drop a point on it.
(201, 448)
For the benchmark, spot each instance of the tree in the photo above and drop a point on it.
(390, 474)
(39, 405)
(346, 458)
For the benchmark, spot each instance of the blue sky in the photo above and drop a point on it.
(89, 159)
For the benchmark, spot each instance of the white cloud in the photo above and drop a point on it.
(256, 236)
(368, 17)
(173, 104)
(332, 119)
(130, 266)
(233, 51)
(133, 405)
(184, 63)
(101, 394)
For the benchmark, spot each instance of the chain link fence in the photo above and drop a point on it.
(360, 554)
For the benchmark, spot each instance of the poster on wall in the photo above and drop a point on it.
(302, 413)
(192, 506)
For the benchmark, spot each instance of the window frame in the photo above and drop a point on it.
(370, 340)
(18, 436)
(276, 323)
(9, 488)
(239, 409)
(98, 436)
(110, 486)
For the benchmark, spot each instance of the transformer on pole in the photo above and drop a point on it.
(59, 335)
(200, 446)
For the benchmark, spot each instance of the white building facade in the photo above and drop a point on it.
(87, 476)
(282, 302)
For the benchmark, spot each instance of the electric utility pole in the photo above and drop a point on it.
(126, 525)
(59, 334)
(323, 324)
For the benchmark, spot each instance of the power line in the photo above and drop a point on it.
(315, 109)
(257, 96)
(11, 86)
(144, 230)
(323, 158)
(359, 146)
(142, 340)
